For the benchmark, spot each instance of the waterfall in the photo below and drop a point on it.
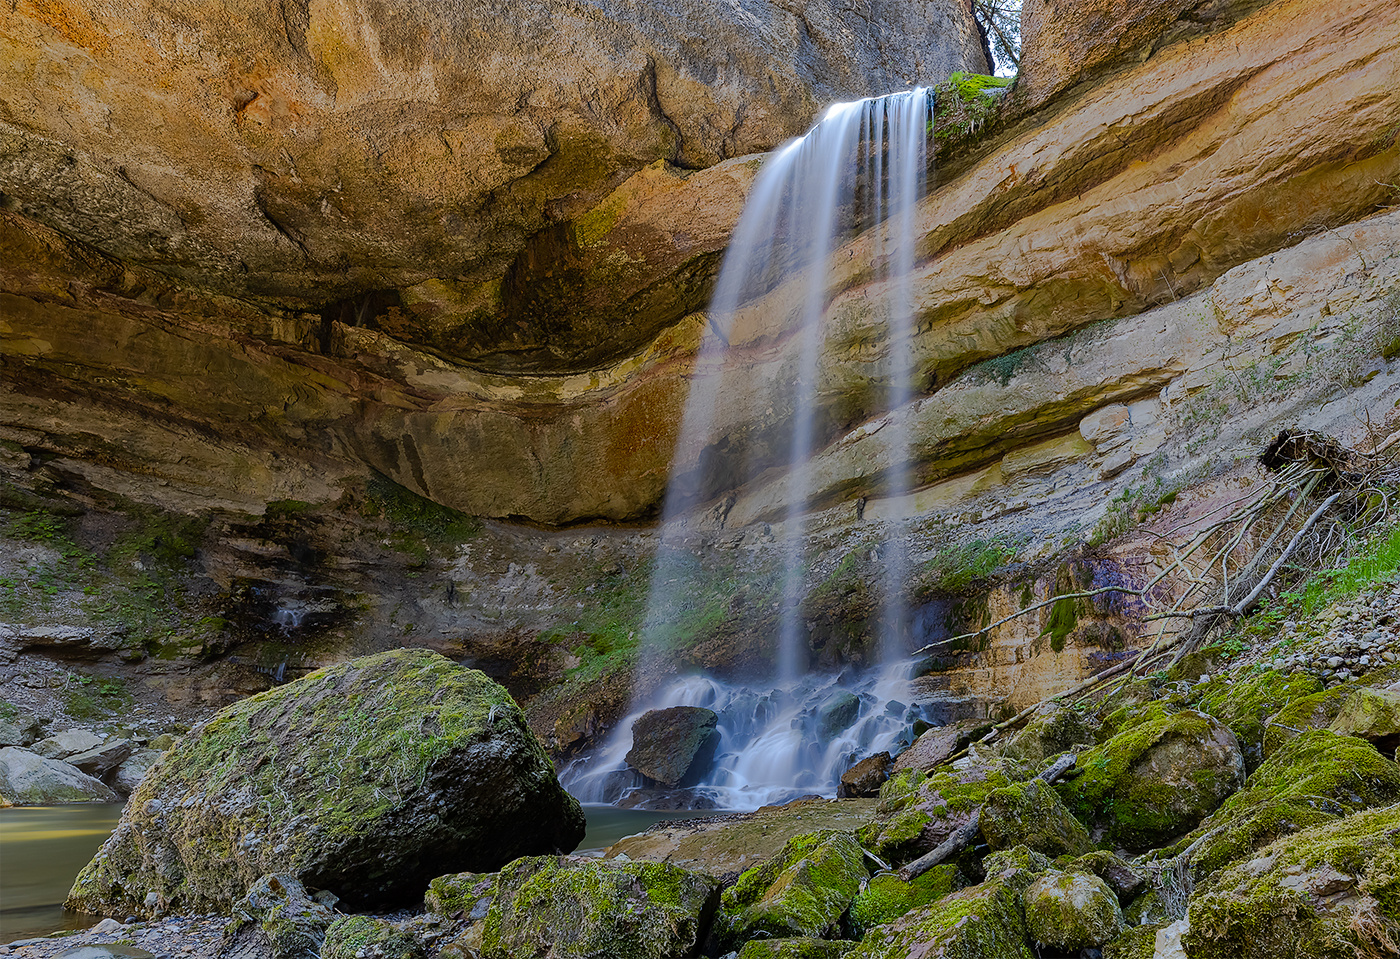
(862, 164)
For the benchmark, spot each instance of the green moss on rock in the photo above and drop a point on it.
(1330, 892)
(1373, 715)
(981, 922)
(1136, 943)
(465, 895)
(367, 937)
(887, 897)
(548, 906)
(801, 892)
(1031, 814)
(1310, 781)
(804, 948)
(1072, 910)
(277, 918)
(368, 778)
(1156, 780)
(1315, 711)
(1050, 733)
(1247, 706)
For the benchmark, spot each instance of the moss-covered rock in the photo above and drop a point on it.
(277, 918)
(1373, 715)
(929, 808)
(1032, 814)
(802, 891)
(1156, 780)
(1330, 892)
(1049, 733)
(981, 922)
(1125, 879)
(1147, 909)
(1072, 910)
(805, 948)
(1020, 865)
(368, 778)
(368, 937)
(887, 897)
(1309, 781)
(1247, 706)
(1136, 943)
(549, 906)
(461, 895)
(1315, 711)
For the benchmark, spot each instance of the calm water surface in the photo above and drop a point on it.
(42, 848)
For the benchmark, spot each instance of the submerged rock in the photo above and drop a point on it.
(802, 891)
(28, 779)
(368, 778)
(675, 746)
(1072, 911)
(571, 909)
(837, 714)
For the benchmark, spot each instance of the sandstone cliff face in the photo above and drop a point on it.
(1188, 245)
(424, 157)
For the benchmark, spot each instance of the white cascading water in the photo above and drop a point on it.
(798, 213)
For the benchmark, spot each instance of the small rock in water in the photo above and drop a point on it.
(113, 951)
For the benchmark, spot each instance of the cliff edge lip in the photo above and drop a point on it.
(339, 149)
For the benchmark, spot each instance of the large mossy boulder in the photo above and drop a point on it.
(367, 778)
(28, 779)
(803, 891)
(803, 948)
(676, 746)
(1032, 814)
(1330, 892)
(1054, 730)
(927, 809)
(1315, 711)
(1072, 911)
(1157, 779)
(549, 906)
(1311, 780)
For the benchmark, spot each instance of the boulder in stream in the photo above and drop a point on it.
(674, 746)
(367, 778)
(28, 779)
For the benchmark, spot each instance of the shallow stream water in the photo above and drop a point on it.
(42, 848)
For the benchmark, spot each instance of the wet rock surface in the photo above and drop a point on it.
(676, 746)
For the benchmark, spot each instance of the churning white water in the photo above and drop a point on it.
(773, 747)
(863, 162)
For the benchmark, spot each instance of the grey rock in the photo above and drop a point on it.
(102, 759)
(276, 919)
(69, 742)
(837, 714)
(28, 779)
(133, 769)
(23, 730)
(676, 746)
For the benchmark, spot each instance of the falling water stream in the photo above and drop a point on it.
(863, 162)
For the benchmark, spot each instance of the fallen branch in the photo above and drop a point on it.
(963, 836)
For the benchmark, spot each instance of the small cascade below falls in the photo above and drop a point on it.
(777, 741)
(861, 168)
